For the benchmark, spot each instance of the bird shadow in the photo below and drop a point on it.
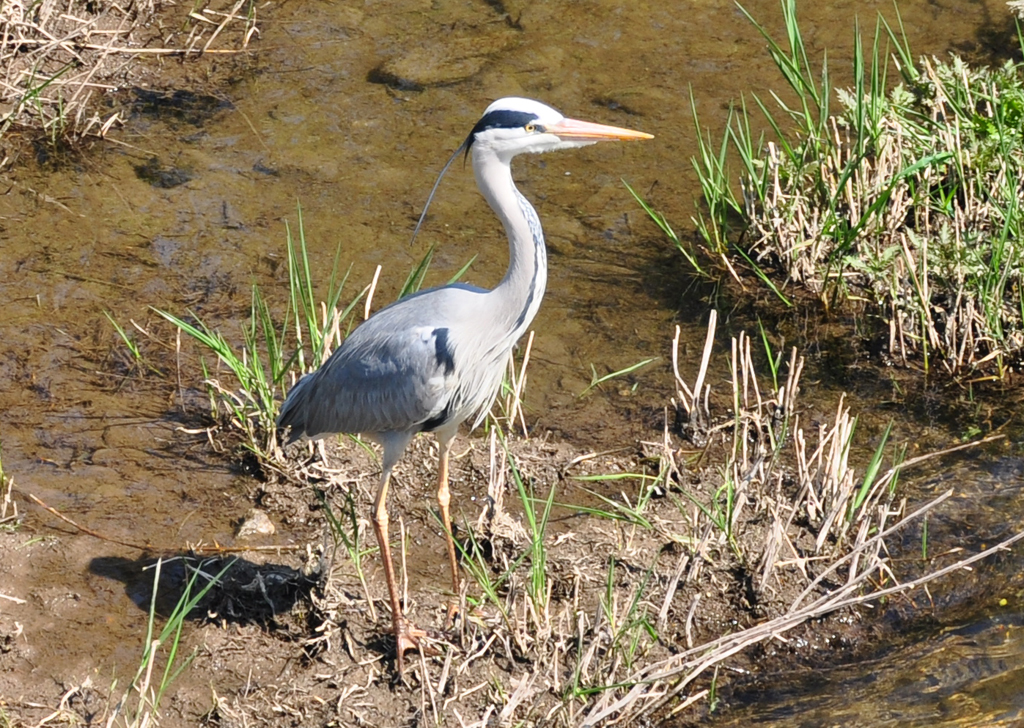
(227, 588)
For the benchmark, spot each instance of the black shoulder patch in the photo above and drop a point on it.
(436, 422)
(442, 351)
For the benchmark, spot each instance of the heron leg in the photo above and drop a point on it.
(444, 499)
(407, 635)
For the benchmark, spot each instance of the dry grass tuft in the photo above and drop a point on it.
(7, 505)
(57, 59)
(598, 588)
(901, 202)
(930, 207)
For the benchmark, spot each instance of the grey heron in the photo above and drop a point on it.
(433, 359)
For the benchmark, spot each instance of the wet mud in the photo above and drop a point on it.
(350, 112)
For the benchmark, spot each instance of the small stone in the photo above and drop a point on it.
(256, 523)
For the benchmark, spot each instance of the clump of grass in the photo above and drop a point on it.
(596, 380)
(274, 352)
(271, 350)
(814, 516)
(527, 573)
(348, 532)
(902, 198)
(140, 704)
(538, 585)
(56, 62)
(771, 459)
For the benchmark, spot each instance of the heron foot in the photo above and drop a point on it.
(453, 615)
(407, 637)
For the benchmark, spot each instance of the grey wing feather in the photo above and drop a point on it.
(387, 376)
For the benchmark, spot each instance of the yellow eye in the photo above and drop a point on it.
(530, 128)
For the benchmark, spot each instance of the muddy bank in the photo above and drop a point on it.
(122, 448)
(302, 633)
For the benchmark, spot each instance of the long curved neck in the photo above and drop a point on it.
(517, 297)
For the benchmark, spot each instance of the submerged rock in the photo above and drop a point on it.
(443, 61)
(159, 175)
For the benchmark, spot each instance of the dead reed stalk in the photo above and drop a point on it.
(610, 634)
(56, 59)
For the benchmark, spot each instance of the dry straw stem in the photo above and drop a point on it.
(656, 685)
(195, 549)
(55, 56)
(7, 506)
(596, 650)
(517, 381)
(689, 399)
(768, 439)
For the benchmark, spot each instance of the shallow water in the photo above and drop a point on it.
(186, 207)
(957, 661)
(961, 675)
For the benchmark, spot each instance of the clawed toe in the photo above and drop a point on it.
(407, 637)
(452, 618)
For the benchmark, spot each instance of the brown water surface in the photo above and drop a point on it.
(186, 206)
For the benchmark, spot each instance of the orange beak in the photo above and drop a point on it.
(585, 131)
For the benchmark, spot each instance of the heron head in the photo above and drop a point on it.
(513, 125)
